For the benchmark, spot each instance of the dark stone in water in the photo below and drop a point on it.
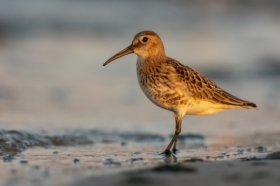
(55, 152)
(111, 162)
(174, 168)
(194, 160)
(76, 160)
(132, 160)
(9, 158)
(23, 161)
(123, 143)
(260, 149)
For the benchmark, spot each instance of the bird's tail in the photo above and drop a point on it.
(234, 101)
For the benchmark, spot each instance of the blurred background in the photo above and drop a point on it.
(51, 56)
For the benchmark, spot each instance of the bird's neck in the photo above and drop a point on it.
(145, 64)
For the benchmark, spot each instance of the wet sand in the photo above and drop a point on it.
(136, 161)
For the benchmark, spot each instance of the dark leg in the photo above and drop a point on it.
(174, 150)
(178, 120)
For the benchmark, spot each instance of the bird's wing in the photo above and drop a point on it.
(203, 88)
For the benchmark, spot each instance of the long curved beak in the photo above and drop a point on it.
(127, 50)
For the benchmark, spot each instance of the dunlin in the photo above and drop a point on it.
(174, 86)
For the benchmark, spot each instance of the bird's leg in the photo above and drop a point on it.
(178, 120)
(174, 150)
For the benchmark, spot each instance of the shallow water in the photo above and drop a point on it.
(42, 159)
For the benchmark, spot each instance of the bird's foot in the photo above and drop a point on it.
(168, 156)
(175, 151)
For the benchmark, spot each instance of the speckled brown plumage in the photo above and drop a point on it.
(174, 86)
(203, 88)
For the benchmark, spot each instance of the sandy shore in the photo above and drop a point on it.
(119, 163)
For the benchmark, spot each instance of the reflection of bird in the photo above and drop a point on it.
(173, 86)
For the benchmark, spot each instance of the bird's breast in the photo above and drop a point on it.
(160, 86)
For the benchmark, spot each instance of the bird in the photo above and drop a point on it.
(176, 87)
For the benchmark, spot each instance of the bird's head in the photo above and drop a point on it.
(146, 44)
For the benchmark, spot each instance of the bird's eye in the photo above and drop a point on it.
(145, 39)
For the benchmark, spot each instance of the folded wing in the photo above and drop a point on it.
(203, 88)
